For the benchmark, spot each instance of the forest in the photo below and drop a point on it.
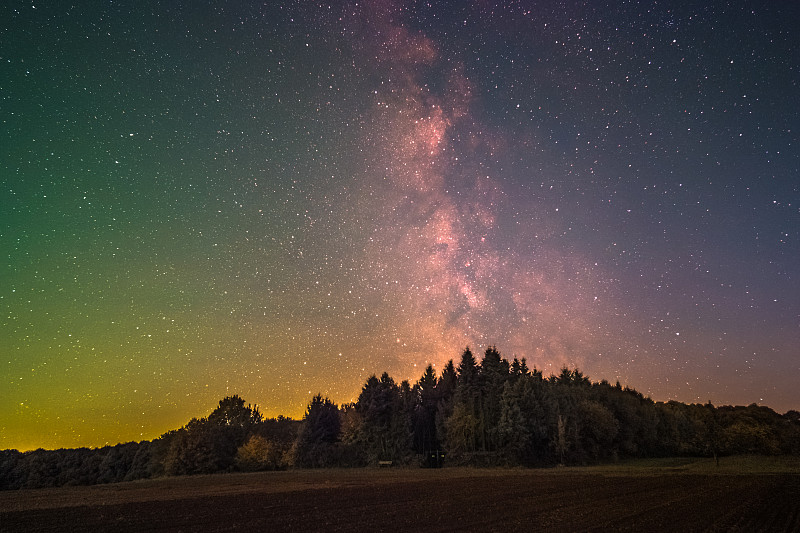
(488, 413)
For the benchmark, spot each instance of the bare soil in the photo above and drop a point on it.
(662, 498)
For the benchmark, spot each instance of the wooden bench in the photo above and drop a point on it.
(384, 463)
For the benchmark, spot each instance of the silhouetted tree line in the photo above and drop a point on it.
(494, 412)
(234, 436)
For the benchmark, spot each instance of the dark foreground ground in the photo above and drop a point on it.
(665, 496)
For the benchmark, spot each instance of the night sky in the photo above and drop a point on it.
(276, 199)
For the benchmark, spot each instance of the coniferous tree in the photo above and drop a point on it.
(468, 373)
(564, 377)
(385, 430)
(513, 429)
(463, 428)
(446, 386)
(315, 444)
(494, 372)
(523, 428)
(425, 438)
(518, 368)
(445, 393)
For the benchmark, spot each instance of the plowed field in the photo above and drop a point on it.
(650, 499)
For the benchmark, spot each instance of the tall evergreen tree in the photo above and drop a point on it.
(385, 430)
(446, 386)
(445, 393)
(425, 438)
(468, 370)
(464, 432)
(494, 372)
(512, 428)
(315, 444)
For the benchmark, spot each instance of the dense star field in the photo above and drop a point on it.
(278, 199)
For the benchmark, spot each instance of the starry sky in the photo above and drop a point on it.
(275, 199)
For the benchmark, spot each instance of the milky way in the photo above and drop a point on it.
(280, 200)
